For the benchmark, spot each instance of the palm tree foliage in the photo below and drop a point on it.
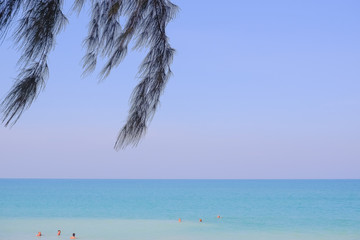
(35, 24)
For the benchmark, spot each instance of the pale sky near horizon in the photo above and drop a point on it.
(260, 89)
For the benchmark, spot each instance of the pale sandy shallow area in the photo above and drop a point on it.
(111, 229)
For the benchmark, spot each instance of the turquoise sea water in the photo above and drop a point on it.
(150, 209)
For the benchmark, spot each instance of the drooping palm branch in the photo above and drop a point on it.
(40, 22)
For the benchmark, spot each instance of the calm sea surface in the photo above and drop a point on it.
(150, 209)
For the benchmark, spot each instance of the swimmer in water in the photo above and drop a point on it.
(39, 234)
(73, 236)
(59, 232)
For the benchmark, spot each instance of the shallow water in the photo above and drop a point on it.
(149, 209)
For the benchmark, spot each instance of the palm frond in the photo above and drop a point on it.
(93, 39)
(8, 10)
(35, 35)
(104, 28)
(37, 29)
(41, 21)
(121, 45)
(26, 88)
(110, 13)
(154, 71)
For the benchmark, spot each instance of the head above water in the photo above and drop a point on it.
(73, 234)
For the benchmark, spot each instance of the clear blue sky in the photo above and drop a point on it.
(261, 89)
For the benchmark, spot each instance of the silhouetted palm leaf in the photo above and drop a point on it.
(41, 20)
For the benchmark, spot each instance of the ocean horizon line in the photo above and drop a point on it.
(192, 179)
